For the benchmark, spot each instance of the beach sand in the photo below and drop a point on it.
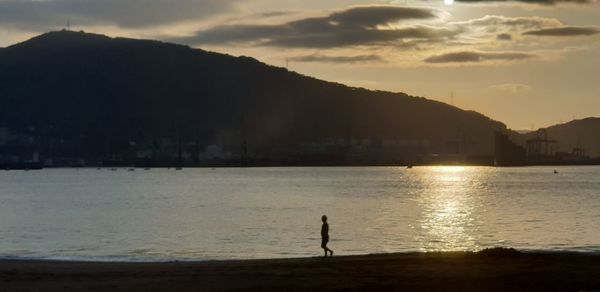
(455, 271)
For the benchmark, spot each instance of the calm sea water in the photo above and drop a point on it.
(201, 214)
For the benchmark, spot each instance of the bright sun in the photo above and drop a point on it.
(448, 2)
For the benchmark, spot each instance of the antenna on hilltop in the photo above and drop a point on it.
(68, 24)
(287, 63)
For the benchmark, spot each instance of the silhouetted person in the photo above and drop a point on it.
(325, 236)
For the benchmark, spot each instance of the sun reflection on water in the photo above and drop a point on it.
(448, 209)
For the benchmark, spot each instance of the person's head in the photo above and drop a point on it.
(324, 218)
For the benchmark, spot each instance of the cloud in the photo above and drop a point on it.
(501, 28)
(339, 59)
(335, 39)
(496, 22)
(510, 87)
(274, 13)
(565, 31)
(48, 14)
(392, 29)
(504, 37)
(477, 57)
(543, 2)
(371, 16)
(360, 25)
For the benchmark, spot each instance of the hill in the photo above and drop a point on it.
(584, 133)
(87, 96)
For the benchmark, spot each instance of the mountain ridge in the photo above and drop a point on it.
(580, 133)
(101, 95)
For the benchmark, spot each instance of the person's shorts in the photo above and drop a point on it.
(324, 242)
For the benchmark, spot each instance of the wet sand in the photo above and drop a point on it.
(457, 271)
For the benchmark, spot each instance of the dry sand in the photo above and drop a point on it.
(457, 271)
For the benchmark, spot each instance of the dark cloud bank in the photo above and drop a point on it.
(339, 59)
(350, 27)
(504, 37)
(528, 22)
(543, 2)
(477, 57)
(565, 31)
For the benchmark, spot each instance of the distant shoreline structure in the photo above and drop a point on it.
(37, 166)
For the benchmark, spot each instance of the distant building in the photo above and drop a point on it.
(144, 154)
(3, 136)
(506, 152)
(215, 152)
(577, 155)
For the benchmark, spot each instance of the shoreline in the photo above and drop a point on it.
(489, 270)
(325, 165)
(150, 260)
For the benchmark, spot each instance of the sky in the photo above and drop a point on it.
(528, 63)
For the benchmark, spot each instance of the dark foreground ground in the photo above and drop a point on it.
(491, 271)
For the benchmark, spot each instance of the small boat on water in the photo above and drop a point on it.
(409, 166)
(179, 168)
